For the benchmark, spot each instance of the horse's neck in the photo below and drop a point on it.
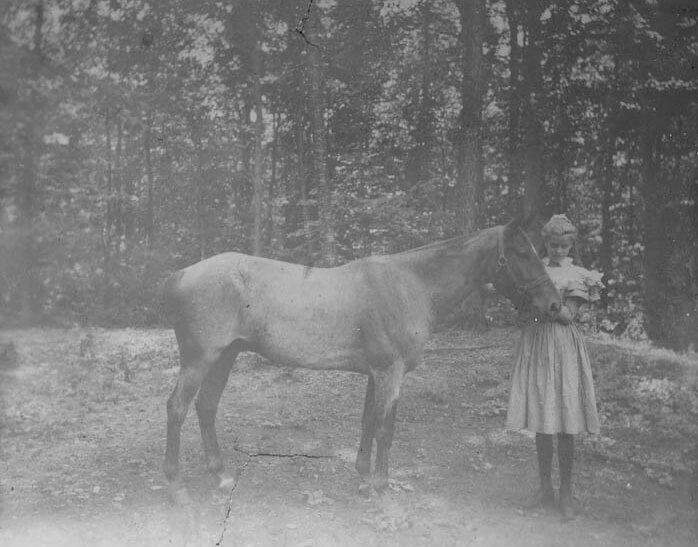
(453, 269)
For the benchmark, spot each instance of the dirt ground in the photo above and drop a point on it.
(83, 434)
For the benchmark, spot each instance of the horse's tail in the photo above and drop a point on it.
(166, 297)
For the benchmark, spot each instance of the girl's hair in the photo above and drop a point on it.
(559, 225)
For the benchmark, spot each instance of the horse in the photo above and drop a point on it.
(372, 316)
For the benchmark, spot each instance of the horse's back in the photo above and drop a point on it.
(298, 315)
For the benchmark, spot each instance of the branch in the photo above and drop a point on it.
(300, 29)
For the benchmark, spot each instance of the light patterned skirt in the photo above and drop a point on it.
(552, 389)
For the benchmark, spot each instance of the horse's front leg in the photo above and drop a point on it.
(363, 456)
(387, 394)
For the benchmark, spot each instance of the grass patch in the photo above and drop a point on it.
(648, 405)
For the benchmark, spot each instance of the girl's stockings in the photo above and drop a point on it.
(565, 455)
(544, 449)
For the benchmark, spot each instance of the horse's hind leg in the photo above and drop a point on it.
(388, 385)
(363, 456)
(177, 406)
(206, 406)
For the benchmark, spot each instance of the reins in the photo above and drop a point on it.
(503, 264)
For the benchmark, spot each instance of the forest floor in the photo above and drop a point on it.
(83, 427)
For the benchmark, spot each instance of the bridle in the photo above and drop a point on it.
(503, 265)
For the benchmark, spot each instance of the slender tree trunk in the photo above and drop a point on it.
(119, 217)
(257, 183)
(269, 223)
(515, 93)
(108, 228)
(149, 221)
(28, 179)
(532, 109)
(469, 142)
(317, 123)
(28, 282)
(654, 257)
(469, 183)
(607, 177)
(418, 160)
(302, 175)
(201, 210)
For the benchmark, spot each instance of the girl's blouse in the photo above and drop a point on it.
(574, 281)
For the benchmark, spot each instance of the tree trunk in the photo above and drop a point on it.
(201, 211)
(654, 257)
(269, 223)
(149, 221)
(317, 124)
(108, 228)
(469, 141)
(515, 93)
(607, 177)
(534, 182)
(29, 280)
(417, 165)
(257, 182)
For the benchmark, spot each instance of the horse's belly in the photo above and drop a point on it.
(311, 346)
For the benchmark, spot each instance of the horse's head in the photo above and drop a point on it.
(520, 274)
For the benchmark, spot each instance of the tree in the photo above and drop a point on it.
(515, 96)
(28, 179)
(313, 35)
(469, 142)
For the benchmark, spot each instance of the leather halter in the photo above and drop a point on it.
(503, 265)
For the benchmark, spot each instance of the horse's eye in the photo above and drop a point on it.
(522, 253)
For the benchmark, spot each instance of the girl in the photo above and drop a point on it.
(552, 387)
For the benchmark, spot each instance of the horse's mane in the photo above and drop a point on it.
(445, 244)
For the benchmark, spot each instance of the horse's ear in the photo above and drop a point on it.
(532, 224)
(513, 224)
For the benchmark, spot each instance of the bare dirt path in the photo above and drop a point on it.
(83, 438)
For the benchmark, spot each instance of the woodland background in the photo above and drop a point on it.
(139, 136)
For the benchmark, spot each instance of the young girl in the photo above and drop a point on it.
(552, 388)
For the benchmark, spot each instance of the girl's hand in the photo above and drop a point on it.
(565, 316)
(569, 311)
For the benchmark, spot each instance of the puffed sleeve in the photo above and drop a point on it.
(586, 284)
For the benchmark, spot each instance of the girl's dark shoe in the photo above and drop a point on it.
(566, 508)
(544, 497)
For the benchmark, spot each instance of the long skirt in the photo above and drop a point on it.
(552, 389)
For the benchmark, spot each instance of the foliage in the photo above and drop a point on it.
(128, 128)
(649, 400)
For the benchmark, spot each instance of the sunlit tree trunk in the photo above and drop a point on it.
(258, 130)
(318, 131)
(269, 222)
(148, 219)
(119, 217)
(200, 181)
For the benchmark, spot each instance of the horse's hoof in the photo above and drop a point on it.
(179, 495)
(226, 481)
(380, 486)
(365, 489)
